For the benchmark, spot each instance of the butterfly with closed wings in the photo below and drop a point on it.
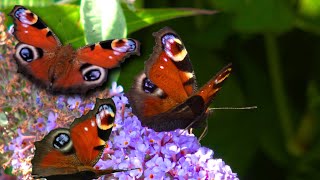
(165, 96)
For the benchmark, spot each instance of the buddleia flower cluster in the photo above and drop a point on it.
(27, 114)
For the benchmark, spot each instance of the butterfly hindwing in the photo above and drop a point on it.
(49, 160)
(73, 152)
(61, 69)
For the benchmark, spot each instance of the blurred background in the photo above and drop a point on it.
(274, 46)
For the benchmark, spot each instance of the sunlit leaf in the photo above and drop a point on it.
(310, 8)
(146, 17)
(10, 3)
(102, 20)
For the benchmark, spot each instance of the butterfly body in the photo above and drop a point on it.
(165, 96)
(72, 153)
(42, 58)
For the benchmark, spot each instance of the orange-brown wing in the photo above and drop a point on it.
(169, 66)
(89, 68)
(78, 78)
(30, 29)
(55, 154)
(90, 132)
(108, 54)
(210, 90)
(36, 47)
(168, 78)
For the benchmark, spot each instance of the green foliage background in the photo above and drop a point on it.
(274, 46)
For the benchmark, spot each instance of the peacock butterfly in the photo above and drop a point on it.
(165, 96)
(42, 58)
(72, 153)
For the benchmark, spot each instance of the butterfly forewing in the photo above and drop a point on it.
(30, 29)
(169, 66)
(90, 132)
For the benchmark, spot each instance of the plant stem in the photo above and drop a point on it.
(273, 61)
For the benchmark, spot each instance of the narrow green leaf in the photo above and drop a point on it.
(102, 20)
(10, 3)
(146, 17)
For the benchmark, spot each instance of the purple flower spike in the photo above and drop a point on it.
(158, 155)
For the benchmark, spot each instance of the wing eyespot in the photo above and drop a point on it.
(93, 74)
(26, 53)
(105, 117)
(62, 141)
(124, 45)
(173, 47)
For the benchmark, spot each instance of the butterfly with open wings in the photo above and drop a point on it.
(42, 58)
(165, 96)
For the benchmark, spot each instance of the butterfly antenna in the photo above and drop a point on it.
(233, 108)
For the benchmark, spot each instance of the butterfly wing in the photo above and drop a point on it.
(90, 132)
(30, 29)
(211, 88)
(108, 54)
(54, 154)
(36, 46)
(89, 68)
(169, 66)
(168, 78)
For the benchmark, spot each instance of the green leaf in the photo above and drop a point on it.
(310, 8)
(68, 28)
(102, 20)
(146, 17)
(8, 170)
(309, 16)
(10, 3)
(256, 16)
